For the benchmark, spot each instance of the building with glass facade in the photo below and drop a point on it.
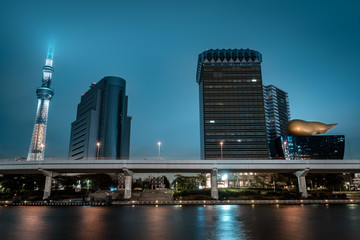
(232, 115)
(277, 113)
(312, 147)
(102, 128)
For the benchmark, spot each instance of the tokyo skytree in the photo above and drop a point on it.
(44, 95)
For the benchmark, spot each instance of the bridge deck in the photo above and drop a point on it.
(171, 166)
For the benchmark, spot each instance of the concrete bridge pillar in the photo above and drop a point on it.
(214, 187)
(128, 183)
(302, 182)
(48, 182)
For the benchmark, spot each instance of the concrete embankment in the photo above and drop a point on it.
(240, 202)
(183, 203)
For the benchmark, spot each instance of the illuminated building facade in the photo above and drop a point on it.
(313, 147)
(44, 95)
(232, 115)
(102, 128)
(277, 113)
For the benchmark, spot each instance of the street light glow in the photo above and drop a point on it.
(221, 149)
(159, 144)
(98, 150)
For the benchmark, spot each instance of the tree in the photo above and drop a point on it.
(12, 182)
(68, 182)
(33, 181)
(183, 182)
(99, 181)
(201, 178)
(330, 181)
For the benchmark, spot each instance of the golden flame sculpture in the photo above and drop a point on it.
(299, 127)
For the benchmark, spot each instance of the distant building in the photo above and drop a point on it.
(102, 128)
(312, 147)
(277, 113)
(232, 115)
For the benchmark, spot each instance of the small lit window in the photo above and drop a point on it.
(254, 80)
(238, 140)
(212, 121)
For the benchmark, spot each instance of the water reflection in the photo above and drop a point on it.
(92, 223)
(29, 221)
(229, 224)
(224, 222)
(293, 223)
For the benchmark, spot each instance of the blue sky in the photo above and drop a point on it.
(310, 50)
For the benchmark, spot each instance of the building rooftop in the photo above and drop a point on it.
(227, 57)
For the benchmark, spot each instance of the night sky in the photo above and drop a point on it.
(310, 50)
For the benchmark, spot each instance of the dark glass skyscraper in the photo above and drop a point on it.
(232, 116)
(102, 128)
(313, 147)
(277, 114)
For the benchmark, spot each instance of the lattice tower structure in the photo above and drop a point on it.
(44, 95)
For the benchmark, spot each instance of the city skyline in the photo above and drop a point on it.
(313, 58)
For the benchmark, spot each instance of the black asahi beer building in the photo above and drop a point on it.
(232, 115)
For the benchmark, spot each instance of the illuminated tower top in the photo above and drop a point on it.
(48, 69)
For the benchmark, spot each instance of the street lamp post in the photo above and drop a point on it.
(159, 144)
(98, 150)
(221, 149)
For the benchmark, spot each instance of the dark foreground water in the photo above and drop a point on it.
(187, 222)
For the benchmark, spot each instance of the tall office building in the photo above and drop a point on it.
(277, 114)
(232, 116)
(102, 128)
(44, 95)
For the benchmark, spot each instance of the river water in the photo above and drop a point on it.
(186, 222)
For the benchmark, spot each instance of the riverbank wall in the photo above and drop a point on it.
(76, 202)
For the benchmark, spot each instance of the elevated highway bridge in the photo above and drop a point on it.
(52, 168)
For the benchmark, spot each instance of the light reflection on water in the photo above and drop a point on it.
(223, 222)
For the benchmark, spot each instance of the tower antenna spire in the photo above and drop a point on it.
(50, 50)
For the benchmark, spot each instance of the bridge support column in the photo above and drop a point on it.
(48, 182)
(214, 187)
(302, 182)
(128, 183)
